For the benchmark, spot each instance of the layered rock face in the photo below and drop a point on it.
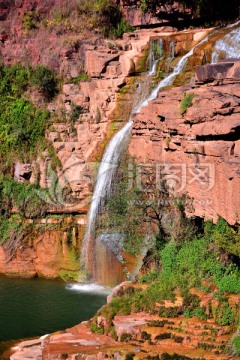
(49, 251)
(96, 103)
(79, 142)
(167, 11)
(102, 107)
(196, 149)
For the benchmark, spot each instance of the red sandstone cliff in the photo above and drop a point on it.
(160, 133)
(197, 152)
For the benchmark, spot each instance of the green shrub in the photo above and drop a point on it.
(45, 79)
(80, 78)
(200, 313)
(145, 335)
(144, 6)
(190, 301)
(159, 323)
(170, 312)
(10, 227)
(186, 102)
(104, 15)
(30, 19)
(229, 282)
(112, 333)
(181, 266)
(76, 111)
(14, 80)
(188, 313)
(130, 356)
(120, 28)
(224, 314)
(96, 329)
(122, 205)
(235, 344)
(206, 346)
(149, 277)
(184, 265)
(120, 305)
(55, 162)
(125, 337)
(166, 356)
(22, 125)
(26, 198)
(177, 339)
(163, 336)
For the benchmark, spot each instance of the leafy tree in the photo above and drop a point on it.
(45, 80)
(22, 125)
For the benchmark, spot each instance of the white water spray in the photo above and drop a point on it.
(228, 46)
(89, 288)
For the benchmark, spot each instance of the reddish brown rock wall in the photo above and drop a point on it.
(50, 251)
(164, 12)
(197, 152)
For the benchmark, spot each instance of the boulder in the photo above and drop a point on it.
(22, 172)
(217, 71)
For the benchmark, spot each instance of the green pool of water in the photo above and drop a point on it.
(36, 307)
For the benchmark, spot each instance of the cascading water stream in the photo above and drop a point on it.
(109, 165)
(167, 81)
(171, 50)
(111, 160)
(156, 53)
(107, 169)
(228, 46)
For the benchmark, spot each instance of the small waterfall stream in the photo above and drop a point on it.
(156, 53)
(107, 169)
(227, 47)
(171, 50)
(168, 80)
(114, 153)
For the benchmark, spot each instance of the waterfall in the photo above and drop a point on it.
(228, 46)
(109, 165)
(114, 153)
(156, 53)
(168, 80)
(107, 169)
(172, 49)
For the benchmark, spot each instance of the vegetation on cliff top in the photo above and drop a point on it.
(205, 8)
(22, 125)
(22, 130)
(102, 16)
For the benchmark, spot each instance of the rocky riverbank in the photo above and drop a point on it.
(140, 334)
